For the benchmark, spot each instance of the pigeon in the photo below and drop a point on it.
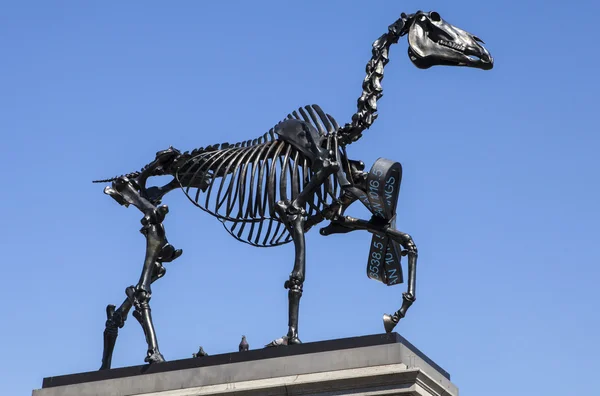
(243, 347)
(200, 353)
(278, 342)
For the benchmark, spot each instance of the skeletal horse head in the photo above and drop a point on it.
(433, 41)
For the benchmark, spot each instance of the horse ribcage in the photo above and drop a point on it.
(240, 186)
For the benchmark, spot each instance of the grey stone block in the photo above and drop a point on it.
(372, 365)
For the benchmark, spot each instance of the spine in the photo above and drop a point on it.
(366, 113)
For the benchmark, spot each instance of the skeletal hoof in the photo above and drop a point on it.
(389, 322)
(294, 341)
(154, 357)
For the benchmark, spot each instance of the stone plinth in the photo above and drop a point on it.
(384, 364)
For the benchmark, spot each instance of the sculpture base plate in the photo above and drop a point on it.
(378, 363)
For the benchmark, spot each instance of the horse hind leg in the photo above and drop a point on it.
(158, 250)
(141, 294)
(295, 219)
(116, 318)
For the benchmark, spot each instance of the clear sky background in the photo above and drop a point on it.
(500, 187)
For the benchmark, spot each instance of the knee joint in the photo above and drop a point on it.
(409, 244)
(294, 284)
(155, 216)
(412, 248)
(138, 297)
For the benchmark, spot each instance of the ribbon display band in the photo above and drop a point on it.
(381, 198)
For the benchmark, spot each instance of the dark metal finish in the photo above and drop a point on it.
(273, 189)
(432, 41)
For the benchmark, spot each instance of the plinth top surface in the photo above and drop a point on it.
(237, 357)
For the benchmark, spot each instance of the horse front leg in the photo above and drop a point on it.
(408, 298)
(293, 215)
(345, 224)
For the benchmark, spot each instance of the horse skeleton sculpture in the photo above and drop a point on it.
(271, 190)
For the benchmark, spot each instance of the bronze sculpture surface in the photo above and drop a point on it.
(273, 189)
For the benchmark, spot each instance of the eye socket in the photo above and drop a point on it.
(435, 16)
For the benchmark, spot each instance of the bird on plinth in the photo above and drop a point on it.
(244, 346)
(278, 342)
(200, 353)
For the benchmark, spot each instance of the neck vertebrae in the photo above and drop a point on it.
(372, 89)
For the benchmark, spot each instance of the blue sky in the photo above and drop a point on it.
(499, 191)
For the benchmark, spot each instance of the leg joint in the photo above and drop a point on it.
(294, 284)
(289, 212)
(155, 215)
(116, 191)
(408, 243)
(115, 319)
(138, 297)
